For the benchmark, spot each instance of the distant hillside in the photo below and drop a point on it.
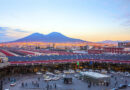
(52, 37)
(112, 42)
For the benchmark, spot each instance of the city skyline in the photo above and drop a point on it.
(89, 20)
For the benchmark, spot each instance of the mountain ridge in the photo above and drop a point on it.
(55, 37)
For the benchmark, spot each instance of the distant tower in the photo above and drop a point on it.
(53, 45)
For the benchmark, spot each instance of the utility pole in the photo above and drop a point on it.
(1, 85)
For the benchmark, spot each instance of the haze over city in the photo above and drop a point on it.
(89, 20)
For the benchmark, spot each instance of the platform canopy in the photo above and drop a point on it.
(94, 75)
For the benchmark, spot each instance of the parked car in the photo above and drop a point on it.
(71, 71)
(12, 84)
(78, 70)
(127, 74)
(49, 73)
(47, 78)
(128, 85)
(114, 89)
(57, 71)
(122, 86)
(6, 89)
(55, 78)
(76, 75)
(38, 73)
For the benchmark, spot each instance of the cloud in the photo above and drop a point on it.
(9, 34)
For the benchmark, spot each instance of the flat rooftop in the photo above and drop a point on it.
(94, 75)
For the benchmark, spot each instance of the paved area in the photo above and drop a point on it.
(36, 82)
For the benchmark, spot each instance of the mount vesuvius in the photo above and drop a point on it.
(54, 37)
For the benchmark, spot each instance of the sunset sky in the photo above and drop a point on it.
(91, 20)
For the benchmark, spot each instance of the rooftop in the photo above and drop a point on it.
(94, 74)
